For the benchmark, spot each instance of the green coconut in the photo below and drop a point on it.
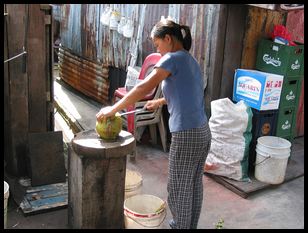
(109, 128)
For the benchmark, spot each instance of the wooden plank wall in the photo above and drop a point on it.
(216, 50)
(260, 23)
(235, 29)
(6, 92)
(17, 83)
(28, 80)
(37, 69)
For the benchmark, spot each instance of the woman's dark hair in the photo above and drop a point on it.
(180, 32)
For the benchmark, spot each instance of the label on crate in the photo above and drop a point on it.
(270, 60)
(272, 91)
(249, 87)
(286, 125)
(295, 65)
(290, 96)
(266, 128)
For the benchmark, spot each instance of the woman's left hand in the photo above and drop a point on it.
(152, 105)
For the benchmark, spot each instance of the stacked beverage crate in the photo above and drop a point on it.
(288, 61)
(261, 91)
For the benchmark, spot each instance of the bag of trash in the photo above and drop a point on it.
(230, 126)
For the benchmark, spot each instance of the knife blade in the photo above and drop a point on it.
(134, 111)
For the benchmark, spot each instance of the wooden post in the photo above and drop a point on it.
(96, 180)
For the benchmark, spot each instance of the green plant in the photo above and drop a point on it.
(219, 224)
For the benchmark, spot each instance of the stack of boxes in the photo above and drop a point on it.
(287, 61)
(272, 91)
(261, 91)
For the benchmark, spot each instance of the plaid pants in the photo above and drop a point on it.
(188, 152)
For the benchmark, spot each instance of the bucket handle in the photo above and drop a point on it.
(266, 157)
(149, 226)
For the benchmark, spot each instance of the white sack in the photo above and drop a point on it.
(230, 126)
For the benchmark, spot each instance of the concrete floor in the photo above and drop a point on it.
(277, 207)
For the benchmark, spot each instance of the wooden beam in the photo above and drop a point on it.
(216, 48)
(68, 118)
(235, 29)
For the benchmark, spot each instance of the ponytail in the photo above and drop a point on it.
(186, 37)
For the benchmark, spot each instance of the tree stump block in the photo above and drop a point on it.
(96, 180)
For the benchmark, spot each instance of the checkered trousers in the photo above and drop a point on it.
(188, 151)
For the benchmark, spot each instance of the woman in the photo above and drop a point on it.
(182, 87)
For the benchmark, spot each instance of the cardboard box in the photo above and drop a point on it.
(259, 90)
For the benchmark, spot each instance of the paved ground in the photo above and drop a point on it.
(277, 207)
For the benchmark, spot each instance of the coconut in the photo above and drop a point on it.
(109, 128)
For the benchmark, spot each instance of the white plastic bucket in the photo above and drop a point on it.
(133, 182)
(144, 211)
(272, 155)
(6, 197)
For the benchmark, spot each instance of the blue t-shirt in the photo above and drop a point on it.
(183, 91)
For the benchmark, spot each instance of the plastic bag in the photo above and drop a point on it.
(282, 32)
(132, 77)
(230, 126)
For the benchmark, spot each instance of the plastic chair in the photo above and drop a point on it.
(146, 68)
(151, 119)
(145, 118)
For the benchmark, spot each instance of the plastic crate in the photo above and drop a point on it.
(279, 59)
(291, 90)
(263, 124)
(301, 73)
(286, 121)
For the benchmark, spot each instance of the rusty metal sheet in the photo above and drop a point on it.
(300, 119)
(266, 6)
(88, 77)
(295, 25)
(106, 46)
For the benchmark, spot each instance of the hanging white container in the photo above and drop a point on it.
(121, 25)
(114, 19)
(105, 17)
(128, 29)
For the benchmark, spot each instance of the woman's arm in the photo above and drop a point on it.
(135, 94)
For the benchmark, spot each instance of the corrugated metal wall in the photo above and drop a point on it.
(82, 32)
(224, 37)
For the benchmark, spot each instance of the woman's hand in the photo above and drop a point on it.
(105, 113)
(152, 104)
